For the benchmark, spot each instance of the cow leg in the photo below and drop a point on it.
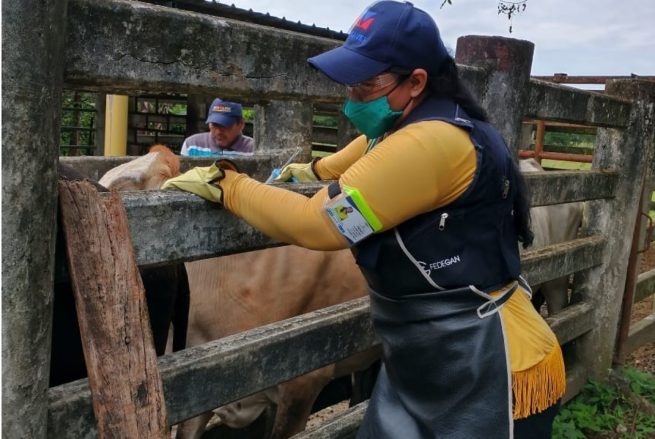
(363, 383)
(295, 400)
(244, 411)
(556, 294)
(238, 414)
(194, 427)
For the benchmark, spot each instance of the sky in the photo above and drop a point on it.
(578, 37)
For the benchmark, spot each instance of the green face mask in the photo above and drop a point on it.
(372, 118)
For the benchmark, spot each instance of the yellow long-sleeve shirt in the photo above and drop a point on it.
(415, 170)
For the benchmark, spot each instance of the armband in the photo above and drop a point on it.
(351, 215)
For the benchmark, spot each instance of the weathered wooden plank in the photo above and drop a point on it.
(258, 165)
(555, 187)
(641, 333)
(109, 295)
(204, 377)
(343, 426)
(558, 260)
(645, 285)
(572, 322)
(561, 103)
(125, 47)
(547, 187)
(172, 226)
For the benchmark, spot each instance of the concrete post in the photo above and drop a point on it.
(603, 285)
(33, 33)
(284, 125)
(505, 95)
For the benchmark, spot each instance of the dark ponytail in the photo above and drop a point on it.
(522, 218)
(447, 83)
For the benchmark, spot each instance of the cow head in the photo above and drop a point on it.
(147, 172)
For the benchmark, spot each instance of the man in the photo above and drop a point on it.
(225, 120)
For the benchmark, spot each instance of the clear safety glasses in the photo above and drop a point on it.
(372, 85)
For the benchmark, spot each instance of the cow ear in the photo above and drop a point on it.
(167, 156)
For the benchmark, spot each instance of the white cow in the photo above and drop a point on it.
(235, 293)
(551, 225)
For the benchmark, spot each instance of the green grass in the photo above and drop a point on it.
(569, 166)
(610, 410)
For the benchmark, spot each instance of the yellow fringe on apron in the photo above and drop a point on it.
(537, 388)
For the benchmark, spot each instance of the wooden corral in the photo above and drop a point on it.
(211, 55)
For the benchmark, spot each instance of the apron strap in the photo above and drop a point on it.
(493, 305)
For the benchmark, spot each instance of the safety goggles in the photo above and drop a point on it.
(374, 84)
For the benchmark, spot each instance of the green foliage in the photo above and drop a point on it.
(602, 410)
(641, 383)
(74, 116)
(248, 114)
(325, 121)
(178, 109)
(569, 139)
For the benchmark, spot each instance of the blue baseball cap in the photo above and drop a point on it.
(387, 34)
(224, 113)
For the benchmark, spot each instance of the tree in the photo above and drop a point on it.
(505, 7)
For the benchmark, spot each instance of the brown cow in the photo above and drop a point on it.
(235, 293)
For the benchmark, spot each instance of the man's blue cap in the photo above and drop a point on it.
(224, 113)
(387, 34)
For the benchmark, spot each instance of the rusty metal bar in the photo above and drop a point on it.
(584, 158)
(539, 140)
(629, 292)
(564, 127)
(563, 78)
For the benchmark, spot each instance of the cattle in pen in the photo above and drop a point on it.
(235, 293)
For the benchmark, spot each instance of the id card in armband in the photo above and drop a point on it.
(352, 216)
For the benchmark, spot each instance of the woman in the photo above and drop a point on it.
(433, 206)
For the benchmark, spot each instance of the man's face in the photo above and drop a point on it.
(224, 136)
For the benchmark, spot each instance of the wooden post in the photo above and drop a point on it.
(284, 125)
(505, 94)
(629, 151)
(33, 35)
(539, 140)
(126, 389)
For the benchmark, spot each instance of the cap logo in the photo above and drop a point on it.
(221, 109)
(365, 21)
(359, 31)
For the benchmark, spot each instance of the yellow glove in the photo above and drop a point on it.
(300, 172)
(202, 181)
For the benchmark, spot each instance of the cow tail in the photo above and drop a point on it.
(181, 312)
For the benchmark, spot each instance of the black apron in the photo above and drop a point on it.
(446, 369)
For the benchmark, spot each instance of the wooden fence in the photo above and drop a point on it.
(224, 57)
